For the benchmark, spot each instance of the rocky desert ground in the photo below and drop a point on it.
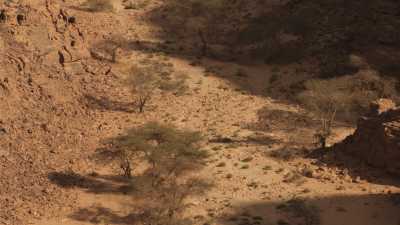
(63, 90)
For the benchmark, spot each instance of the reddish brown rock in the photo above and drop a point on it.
(377, 138)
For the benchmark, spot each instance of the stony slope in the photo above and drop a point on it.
(45, 126)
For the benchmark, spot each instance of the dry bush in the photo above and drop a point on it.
(98, 5)
(143, 84)
(154, 76)
(344, 98)
(324, 98)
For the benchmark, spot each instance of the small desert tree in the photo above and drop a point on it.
(145, 80)
(143, 84)
(324, 100)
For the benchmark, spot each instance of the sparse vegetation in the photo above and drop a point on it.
(151, 77)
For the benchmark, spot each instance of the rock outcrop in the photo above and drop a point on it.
(377, 138)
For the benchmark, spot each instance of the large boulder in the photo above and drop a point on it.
(377, 137)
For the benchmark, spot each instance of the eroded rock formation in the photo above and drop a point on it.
(377, 138)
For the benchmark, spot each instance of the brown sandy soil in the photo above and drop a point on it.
(58, 103)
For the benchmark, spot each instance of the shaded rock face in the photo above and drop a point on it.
(377, 138)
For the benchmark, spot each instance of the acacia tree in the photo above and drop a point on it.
(168, 150)
(167, 153)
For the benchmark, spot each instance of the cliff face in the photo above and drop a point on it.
(377, 138)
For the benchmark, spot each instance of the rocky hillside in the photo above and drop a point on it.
(45, 73)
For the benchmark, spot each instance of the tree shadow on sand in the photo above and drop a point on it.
(104, 103)
(147, 205)
(94, 183)
(155, 197)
